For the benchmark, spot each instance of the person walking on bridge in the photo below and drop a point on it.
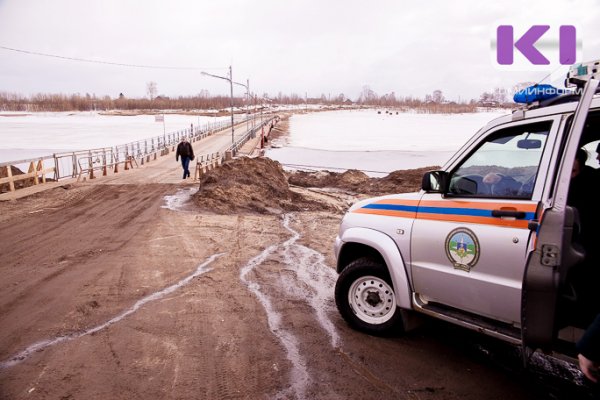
(186, 152)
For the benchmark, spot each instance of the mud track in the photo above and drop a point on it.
(131, 292)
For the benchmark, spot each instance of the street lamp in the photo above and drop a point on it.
(230, 80)
(247, 86)
(262, 135)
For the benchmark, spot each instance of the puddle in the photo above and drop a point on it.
(42, 345)
(177, 201)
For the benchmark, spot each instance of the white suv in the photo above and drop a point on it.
(490, 242)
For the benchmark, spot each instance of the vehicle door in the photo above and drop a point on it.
(469, 245)
(554, 252)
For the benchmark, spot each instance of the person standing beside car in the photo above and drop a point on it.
(186, 152)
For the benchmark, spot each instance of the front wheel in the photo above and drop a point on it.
(365, 297)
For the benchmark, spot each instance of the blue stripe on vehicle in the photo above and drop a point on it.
(456, 211)
(440, 210)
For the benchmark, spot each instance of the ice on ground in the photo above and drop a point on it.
(375, 143)
(373, 163)
(365, 130)
(21, 135)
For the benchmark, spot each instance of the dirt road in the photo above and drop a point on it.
(128, 291)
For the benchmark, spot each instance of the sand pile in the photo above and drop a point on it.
(358, 182)
(252, 185)
(351, 179)
(260, 185)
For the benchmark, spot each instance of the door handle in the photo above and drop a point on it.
(508, 213)
(533, 225)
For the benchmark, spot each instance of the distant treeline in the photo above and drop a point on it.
(87, 102)
(77, 102)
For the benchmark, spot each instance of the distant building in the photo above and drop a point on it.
(489, 103)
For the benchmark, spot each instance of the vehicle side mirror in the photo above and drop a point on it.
(435, 182)
(529, 144)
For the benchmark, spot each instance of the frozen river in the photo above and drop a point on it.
(31, 135)
(375, 143)
(335, 140)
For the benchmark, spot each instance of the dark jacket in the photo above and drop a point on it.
(184, 149)
(589, 344)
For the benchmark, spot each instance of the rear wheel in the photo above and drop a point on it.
(365, 297)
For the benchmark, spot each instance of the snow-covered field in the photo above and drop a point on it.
(375, 143)
(335, 140)
(40, 134)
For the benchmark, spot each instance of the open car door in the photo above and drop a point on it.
(554, 252)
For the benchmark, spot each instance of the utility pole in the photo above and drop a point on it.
(231, 101)
(230, 80)
(247, 86)
(306, 102)
(247, 102)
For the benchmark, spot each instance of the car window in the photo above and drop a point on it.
(505, 165)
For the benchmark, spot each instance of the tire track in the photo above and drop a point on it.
(309, 267)
(299, 375)
(44, 344)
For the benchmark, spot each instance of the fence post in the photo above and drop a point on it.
(56, 172)
(74, 160)
(40, 167)
(103, 162)
(11, 183)
(90, 165)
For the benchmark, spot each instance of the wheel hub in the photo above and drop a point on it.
(372, 299)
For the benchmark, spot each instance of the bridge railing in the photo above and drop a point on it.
(206, 162)
(250, 134)
(40, 170)
(91, 163)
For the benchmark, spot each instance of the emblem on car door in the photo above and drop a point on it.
(462, 249)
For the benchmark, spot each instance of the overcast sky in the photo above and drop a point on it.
(311, 46)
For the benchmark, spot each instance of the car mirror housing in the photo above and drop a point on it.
(435, 182)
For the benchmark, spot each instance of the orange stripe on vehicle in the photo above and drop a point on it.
(387, 213)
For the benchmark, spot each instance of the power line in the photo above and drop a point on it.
(106, 62)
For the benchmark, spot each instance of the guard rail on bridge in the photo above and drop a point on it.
(102, 161)
(207, 162)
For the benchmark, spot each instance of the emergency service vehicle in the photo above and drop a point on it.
(489, 240)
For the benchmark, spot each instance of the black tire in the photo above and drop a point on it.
(372, 308)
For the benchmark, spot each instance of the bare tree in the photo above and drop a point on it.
(151, 89)
(368, 96)
(500, 95)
